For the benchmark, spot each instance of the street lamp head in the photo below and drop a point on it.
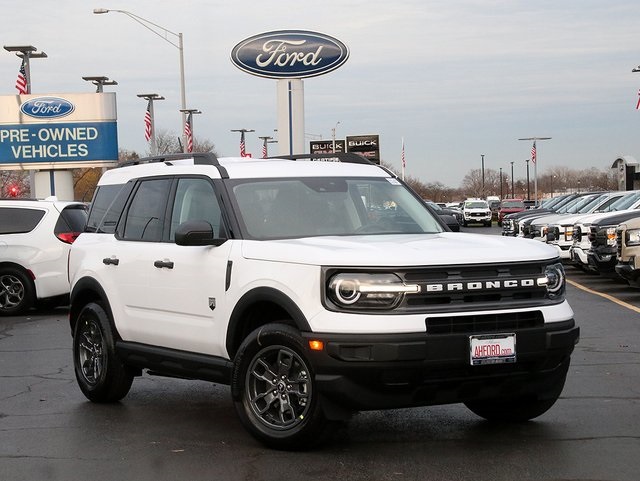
(98, 11)
(637, 69)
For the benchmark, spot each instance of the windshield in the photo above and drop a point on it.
(583, 204)
(291, 208)
(626, 202)
(513, 204)
(476, 205)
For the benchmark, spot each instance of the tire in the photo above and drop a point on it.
(17, 292)
(100, 374)
(274, 390)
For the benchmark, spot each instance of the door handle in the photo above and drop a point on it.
(161, 264)
(114, 261)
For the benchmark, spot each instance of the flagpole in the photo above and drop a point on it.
(534, 158)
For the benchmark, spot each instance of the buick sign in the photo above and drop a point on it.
(47, 107)
(289, 54)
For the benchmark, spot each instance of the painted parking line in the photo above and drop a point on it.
(606, 296)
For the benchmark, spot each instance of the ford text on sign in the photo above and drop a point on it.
(289, 54)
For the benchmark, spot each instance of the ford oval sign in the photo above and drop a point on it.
(47, 107)
(289, 54)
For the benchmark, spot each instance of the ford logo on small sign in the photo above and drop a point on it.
(289, 54)
(47, 107)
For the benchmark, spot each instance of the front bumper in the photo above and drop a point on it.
(602, 260)
(628, 273)
(365, 371)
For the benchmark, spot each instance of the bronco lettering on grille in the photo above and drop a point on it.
(479, 285)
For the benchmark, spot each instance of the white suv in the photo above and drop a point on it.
(314, 289)
(476, 211)
(35, 238)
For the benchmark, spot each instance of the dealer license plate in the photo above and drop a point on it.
(492, 349)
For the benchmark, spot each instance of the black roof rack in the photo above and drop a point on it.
(199, 158)
(347, 157)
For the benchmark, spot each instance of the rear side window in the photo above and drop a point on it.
(72, 219)
(146, 214)
(107, 206)
(16, 220)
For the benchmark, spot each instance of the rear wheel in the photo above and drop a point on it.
(16, 291)
(275, 390)
(100, 374)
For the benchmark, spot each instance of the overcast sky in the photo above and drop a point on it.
(455, 79)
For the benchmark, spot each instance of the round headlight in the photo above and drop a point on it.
(554, 274)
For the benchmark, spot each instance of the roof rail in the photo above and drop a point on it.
(347, 157)
(199, 158)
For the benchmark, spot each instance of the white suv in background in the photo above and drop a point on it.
(476, 211)
(35, 237)
(315, 289)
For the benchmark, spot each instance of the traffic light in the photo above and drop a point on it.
(14, 191)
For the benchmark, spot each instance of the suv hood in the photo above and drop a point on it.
(446, 248)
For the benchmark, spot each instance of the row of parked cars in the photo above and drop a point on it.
(594, 231)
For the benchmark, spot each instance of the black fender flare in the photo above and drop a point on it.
(261, 294)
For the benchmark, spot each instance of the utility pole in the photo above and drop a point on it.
(243, 152)
(500, 183)
(265, 140)
(26, 52)
(100, 82)
(150, 121)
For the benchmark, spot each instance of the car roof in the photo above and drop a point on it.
(242, 168)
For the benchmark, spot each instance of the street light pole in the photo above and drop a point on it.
(242, 142)
(152, 138)
(149, 25)
(482, 155)
(500, 183)
(513, 194)
(26, 52)
(534, 156)
(528, 193)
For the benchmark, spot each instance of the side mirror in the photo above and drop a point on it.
(197, 233)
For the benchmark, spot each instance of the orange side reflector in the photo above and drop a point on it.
(316, 345)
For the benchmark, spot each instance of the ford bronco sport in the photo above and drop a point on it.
(315, 290)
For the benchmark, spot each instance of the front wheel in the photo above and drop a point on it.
(100, 374)
(274, 390)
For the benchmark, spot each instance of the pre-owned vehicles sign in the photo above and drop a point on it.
(49, 131)
(289, 54)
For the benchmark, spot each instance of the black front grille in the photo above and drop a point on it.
(593, 231)
(577, 234)
(474, 287)
(506, 322)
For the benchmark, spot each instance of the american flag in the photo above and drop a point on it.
(188, 132)
(404, 163)
(243, 153)
(21, 82)
(147, 122)
(264, 149)
(638, 104)
(533, 152)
